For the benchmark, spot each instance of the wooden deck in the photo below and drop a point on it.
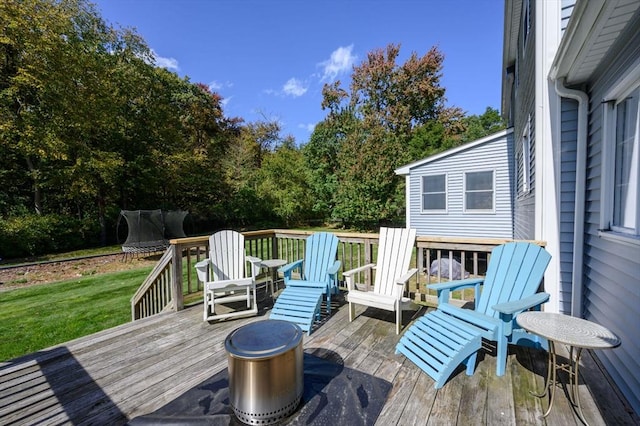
(112, 376)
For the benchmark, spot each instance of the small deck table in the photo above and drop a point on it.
(575, 332)
(272, 265)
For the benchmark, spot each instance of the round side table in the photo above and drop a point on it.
(578, 334)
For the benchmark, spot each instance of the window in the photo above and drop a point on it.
(478, 191)
(526, 23)
(621, 159)
(524, 161)
(625, 181)
(434, 193)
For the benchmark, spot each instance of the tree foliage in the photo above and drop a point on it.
(478, 126)
(283, 184)
(375, 127)
(89, 126)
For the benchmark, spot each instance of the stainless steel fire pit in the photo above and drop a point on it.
(265, 371)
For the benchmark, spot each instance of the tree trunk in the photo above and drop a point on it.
(37, 192)
(102, 220)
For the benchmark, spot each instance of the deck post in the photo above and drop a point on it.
(368, 255)
(176, 278)
(274, 246)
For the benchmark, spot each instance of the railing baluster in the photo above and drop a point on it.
(164, 286)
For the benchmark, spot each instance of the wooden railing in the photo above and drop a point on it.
(173, 282)
(156, 294)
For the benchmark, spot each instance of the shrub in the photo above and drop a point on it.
(32, 235)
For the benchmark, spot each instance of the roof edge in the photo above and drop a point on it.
(579, 29)
(406, 169)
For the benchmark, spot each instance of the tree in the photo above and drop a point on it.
(390, 103)
(321, 158)
(30, 44)
(242, 164)
(62, 66)
(283, 184)
(478, 126)
(195, 176)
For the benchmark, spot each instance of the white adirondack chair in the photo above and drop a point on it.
(226, 277)
(391, 275)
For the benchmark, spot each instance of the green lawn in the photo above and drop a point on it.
(64, 256)
(35, 318)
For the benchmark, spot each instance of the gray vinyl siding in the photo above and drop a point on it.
(493, 155)
(568, 140)
(524, 107)
(611, 269)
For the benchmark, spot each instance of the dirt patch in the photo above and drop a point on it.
(43, 273)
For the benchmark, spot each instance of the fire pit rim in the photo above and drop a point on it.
(257, 340)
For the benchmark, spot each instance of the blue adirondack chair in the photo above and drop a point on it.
(319, 268)
(317, 276)
(441, 340)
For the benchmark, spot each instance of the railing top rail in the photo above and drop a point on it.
(425, 241)
(161, 265)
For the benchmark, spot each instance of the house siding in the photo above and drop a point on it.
(611, 278)
(493, 155)
(524, 113)
(567, 155)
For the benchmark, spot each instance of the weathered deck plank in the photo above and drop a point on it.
(130, 370)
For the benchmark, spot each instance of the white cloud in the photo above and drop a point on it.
(340, 61)
(162, 62)
(225, 101)
(309, 127)
(214, 85)
(294, 87)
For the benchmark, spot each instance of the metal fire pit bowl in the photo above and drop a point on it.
(265, 371)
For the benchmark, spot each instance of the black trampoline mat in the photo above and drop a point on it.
(333, 395)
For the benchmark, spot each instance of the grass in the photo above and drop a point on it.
(38, 317)
(35, 318)
(63, 256)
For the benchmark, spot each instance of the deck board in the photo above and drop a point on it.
(131, 370)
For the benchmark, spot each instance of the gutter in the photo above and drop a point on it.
(581, 170)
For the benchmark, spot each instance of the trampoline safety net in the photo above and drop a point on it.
(150, 230)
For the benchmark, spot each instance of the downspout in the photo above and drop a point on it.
(581, 171)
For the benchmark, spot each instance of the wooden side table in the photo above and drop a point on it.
(578, 334)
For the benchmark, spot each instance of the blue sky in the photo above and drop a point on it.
(269, 59)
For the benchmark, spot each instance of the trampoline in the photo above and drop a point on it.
(149, 231)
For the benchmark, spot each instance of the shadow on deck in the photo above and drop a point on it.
(124, 372)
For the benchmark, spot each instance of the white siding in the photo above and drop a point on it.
(493, 155)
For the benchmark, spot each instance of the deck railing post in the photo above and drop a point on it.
(274, 246)
(176, 278)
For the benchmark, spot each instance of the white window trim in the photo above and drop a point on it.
(619, 91)
(525, 145)
(464, 193)
(446, 194)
